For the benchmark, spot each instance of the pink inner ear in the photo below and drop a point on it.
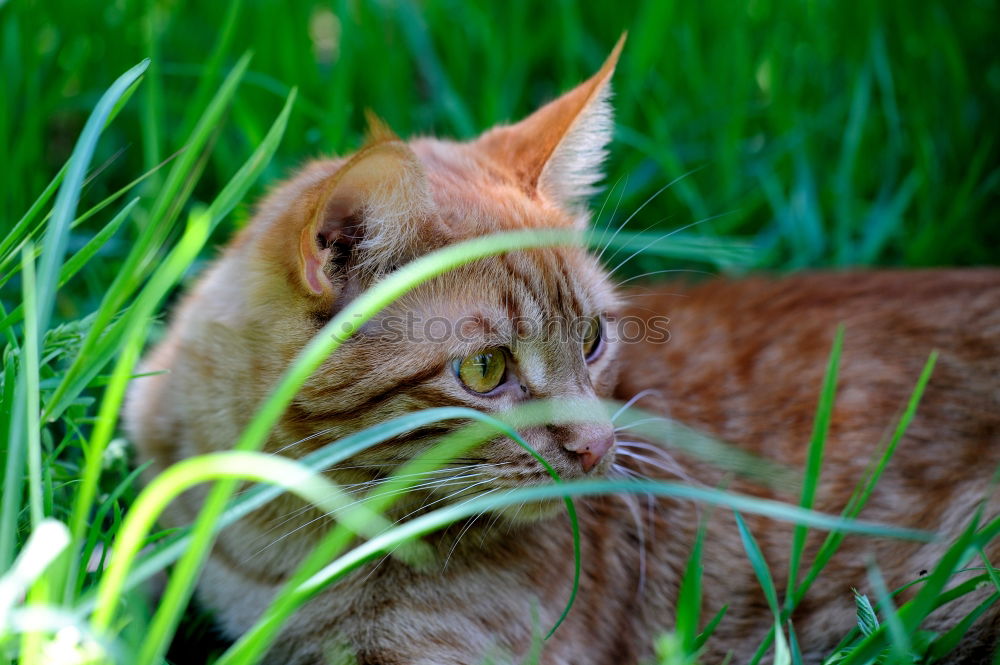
(313, 266)
(330, 228)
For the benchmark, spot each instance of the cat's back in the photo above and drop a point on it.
(745, 362)
(761, 344)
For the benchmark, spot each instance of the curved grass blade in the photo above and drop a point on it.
(180, 477)
(44, 297)
(164, 211)
(747, 504)
(339, 328)
(135, 326)
(102, 347)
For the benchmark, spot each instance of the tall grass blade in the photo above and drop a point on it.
(44, 293)
(69, 193)
(29, 370)
(689, 595)
(157, 228)
(136, 324)
(866, 486)
(814, 460)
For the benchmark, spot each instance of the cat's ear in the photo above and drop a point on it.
(559, 150)
(368, 211)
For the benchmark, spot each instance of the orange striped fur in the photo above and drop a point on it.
(744, 363)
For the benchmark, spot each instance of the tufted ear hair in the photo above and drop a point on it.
(364, 216)
(559, 150)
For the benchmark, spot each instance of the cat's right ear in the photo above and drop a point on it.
(367, 212)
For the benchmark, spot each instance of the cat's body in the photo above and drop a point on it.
(744, 363)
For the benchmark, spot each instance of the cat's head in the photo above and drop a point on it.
(490, 335)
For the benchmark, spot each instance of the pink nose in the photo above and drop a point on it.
(594, 452)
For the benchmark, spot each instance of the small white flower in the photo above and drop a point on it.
(70, 647)
(116, 450)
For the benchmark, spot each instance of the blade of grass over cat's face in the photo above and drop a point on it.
(532, 413)
(255, 641)
(764, 507)
(340, 327)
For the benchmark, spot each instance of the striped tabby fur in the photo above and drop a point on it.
(744, 363)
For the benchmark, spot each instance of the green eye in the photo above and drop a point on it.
(592, 338)
(482, 372)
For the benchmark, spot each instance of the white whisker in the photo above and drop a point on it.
(621, 195)
(645, 203)
(635, 398)
(467, 525)
(631, 502)
(597, 220)
(641, 421)
(665, 463)
(661, 238)
(660, 272)
(312, 436)
(425, 505)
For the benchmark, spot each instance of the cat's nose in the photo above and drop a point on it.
(594, 450)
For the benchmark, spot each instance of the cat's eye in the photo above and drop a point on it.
(592, 339)
(482, 371)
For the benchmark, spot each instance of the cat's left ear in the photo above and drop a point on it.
(558, 151)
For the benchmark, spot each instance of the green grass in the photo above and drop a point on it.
(796, 135)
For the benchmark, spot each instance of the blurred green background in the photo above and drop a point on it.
(828, 133)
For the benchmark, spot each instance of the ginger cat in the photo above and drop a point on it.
(744, 362)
